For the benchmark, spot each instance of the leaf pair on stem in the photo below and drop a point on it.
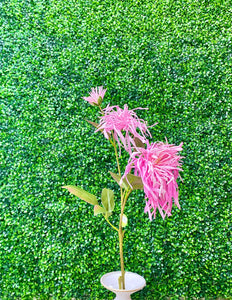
(131, 182)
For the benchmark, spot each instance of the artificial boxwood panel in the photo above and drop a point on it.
(173, 57)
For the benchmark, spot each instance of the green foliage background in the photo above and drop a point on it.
(173, 57)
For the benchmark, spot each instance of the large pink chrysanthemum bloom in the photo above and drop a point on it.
(158, 166)
(117, 121)
(95, 96)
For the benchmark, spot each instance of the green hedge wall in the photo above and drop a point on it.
(173, 57)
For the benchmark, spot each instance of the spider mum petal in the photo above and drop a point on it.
(124, 124)
(158, 166)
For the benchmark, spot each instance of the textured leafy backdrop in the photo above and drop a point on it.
(173, 57)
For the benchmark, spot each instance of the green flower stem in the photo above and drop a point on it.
(120, 236)
(101, 108)
(121, 279)
(111, 224)
(124, 197)
(116, 154)
(121, 232)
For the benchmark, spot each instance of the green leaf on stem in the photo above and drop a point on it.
(117, 178)
(100, 100)
(93, 123)
(96, 125)
(135, 182)
(99, 210)
(82, 194)
(130, 182)
(139, 143)
(107, 198)
(124, 220)
(108, 214)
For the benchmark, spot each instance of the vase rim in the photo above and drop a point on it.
(141, 286)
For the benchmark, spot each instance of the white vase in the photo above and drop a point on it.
(133, 283)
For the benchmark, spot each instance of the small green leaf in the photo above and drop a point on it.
(117, 178)
(139, 143)
(108, 214)
(135, 182)
(124, 220)
(99, 210)
(93, 123)
(82, 194)
(99, 101)
(96, 125)
(108, 200)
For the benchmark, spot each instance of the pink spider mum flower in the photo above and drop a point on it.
(158, 166)
(95, 96)
(116, 121)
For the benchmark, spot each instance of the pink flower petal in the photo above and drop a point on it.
(95, 94)
(158, 166)
(118, 121)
